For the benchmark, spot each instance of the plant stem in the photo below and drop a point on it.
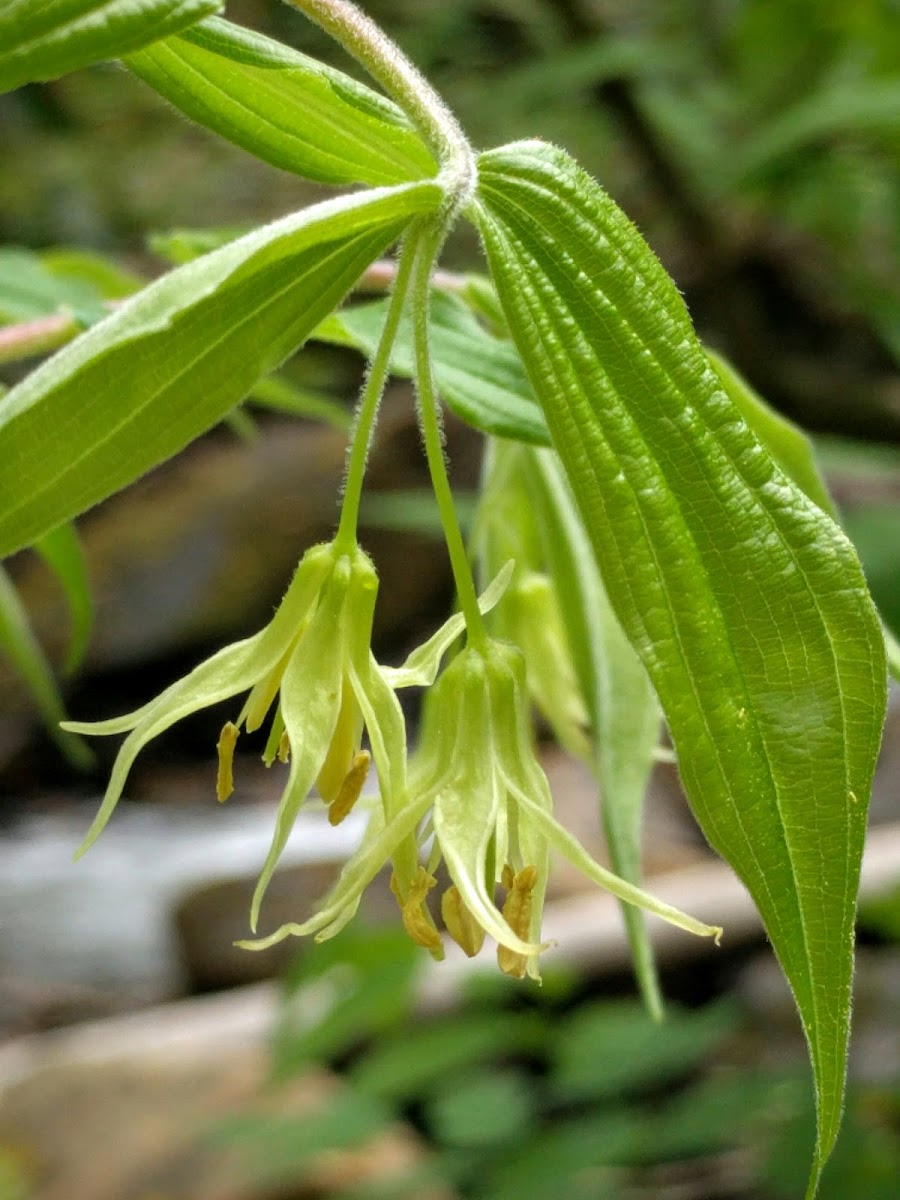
(370, 398)
(390, 67)
(37, 337)
(430, 421)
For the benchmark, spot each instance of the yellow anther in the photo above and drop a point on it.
(507, 875)
(284, 747)
(414, 912)
(461, 925)
(517, 914)
(350, 789)
(344, 742)
(225, 748)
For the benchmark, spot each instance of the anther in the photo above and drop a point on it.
(460, 923)
(516, 912)
(350, 789)
(283, 752)
(414, 912)
(225, 749)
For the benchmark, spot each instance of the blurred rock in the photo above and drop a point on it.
(103, 927)
(176, 1103)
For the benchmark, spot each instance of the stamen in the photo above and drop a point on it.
(350, 789)
(517, 914)
(225, 748)
(414, 912)
(461, 925)
(344, 744)
(283, 752)
(273, 741)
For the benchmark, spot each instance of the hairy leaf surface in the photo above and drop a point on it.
(284, 107)
(44, 40)
(137, 387)
(744, 600)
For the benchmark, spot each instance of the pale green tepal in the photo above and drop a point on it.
(315, 657)
(476, 785)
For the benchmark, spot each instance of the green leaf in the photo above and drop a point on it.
(480, 377)
(415, 1061)
(44, 40)
(178, 246)
(607, 1050)
(61, 550)
(483, 1109)
(565, 1158)
(346, 991)
(106, 278)
(172, 360)
(745, 602)
(30, 289)
(24, 651)
(621, 703)
(283, 107)
(280, 395)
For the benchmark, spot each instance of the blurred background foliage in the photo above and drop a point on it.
(558, 1091)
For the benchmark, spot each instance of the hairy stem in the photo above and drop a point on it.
(429, 418)
(29, 338)
(387, 64)
(370, 398)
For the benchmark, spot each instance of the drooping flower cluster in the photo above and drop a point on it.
(476, 788)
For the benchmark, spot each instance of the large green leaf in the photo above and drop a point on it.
(285, 108)
(744, 600)
(480, 377)
(137, 387)
(44, 40)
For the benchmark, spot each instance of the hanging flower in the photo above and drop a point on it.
(313, 665)
(477, 787)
